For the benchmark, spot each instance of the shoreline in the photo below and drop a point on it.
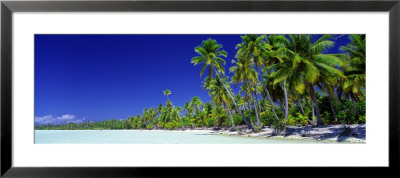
(355, 133)
(333, 133)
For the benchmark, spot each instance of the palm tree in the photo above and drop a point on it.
(197, 106)
(178, 115)
(299, 103)
(189, 110)
(252, 49)
(248, 76)
(167, 93)
(274, 43)
(219, 95)
(210, 54)
(218, 113)
(328, 83)
(166, 113)
(196, 103)
(355, 68)
(304, 64)
(208, 108)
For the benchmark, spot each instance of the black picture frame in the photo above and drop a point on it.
(8, 7)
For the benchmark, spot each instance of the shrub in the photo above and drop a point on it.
(345, 113)
(210, 121)
(326, 118)
(257, 128)
(362, 119)
(237, 119)
(171, 125)
(298, 120)
(278, 125)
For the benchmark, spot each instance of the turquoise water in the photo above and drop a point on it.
(151, 137)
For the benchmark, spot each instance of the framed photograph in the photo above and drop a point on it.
(114, 88)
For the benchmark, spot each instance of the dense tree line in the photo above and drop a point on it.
(283, 80)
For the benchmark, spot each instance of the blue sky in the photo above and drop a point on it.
(96, 77)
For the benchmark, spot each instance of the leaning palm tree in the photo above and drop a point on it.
(219, 95)
(242, 72)
(304, 63)
(210, 54)
(167, 93)
(252, 49)
(273, 44)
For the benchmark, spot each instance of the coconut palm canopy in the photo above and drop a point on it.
(181, 81)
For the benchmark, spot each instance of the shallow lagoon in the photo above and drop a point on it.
(153, 137)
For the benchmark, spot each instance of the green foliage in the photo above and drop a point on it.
(299, 120)
(345, 113)
(257, 128)
(265, 118)
(326, 117)
(362, 119)
(237, 119)
(278, 125)
(170, 125)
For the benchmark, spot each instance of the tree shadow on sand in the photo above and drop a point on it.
(341, 133)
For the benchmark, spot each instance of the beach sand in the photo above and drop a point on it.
(355, 133)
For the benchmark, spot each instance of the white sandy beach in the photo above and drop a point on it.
(320, 133)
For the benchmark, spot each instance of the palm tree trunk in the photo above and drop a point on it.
(314, 99)
(258, 104)
(354, 104)
(286, 102)
(268, 95)
(255, 109)
(281, 105)
(234, 102)
(255, 102)
(307, 103)
(248, 105)
(333, 109)
(313, 113)
(300, 105)
(230, 114)
(249, 99)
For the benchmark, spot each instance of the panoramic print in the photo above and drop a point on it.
(200, 89)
